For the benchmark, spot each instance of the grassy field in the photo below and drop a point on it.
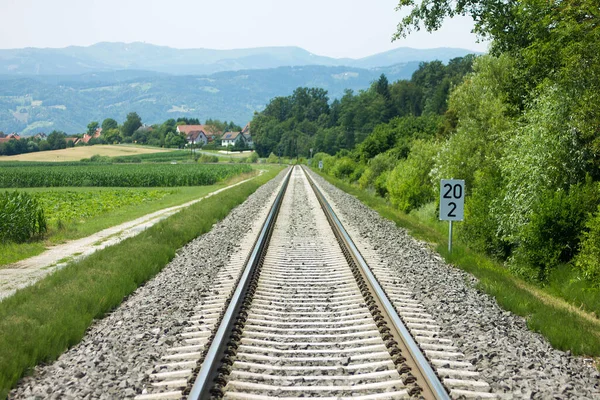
(77, 153)
(40, 322)
(565, 312)
(82, 224)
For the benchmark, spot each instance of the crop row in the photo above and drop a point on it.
(62, 206)
(119, 175)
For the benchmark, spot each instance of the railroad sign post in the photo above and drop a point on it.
(321, 165)
(452, 203)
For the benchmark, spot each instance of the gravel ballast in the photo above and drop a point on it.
(118, 353)
(516, 362)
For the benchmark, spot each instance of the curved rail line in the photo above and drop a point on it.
(419, 378)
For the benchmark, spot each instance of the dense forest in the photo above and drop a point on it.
(521, 125)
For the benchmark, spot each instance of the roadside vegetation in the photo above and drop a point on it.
(40, 322)
(520, 125)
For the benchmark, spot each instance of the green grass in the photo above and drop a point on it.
(13, 252)
(82, 227)
(554, 311)
(40, 322)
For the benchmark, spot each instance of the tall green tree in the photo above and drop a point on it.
(56, 140)
(131, 124)
(109, 123)
(92, 126)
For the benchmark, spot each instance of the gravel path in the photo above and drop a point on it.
(514, 360)
(118, 353)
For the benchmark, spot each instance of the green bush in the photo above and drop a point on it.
(588, 259)
(328, 161)
(381, 184)
(21, 217)
(409, 184)
(205, 158)
(253, 158)
(379, 164)
(343, 168)
(272, 159)
(480, 227)
(553, 232)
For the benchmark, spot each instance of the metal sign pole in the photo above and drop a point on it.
(450, 238)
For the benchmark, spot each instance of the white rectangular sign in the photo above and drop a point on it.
(321, 164)
(452, 199)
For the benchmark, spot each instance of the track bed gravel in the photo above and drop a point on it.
(512, 359)
(118, 353)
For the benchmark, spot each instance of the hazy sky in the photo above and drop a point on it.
(335, 28)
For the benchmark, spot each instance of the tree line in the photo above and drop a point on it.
(290, 126)
(132, 130)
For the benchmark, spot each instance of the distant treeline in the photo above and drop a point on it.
(290, 126)
(131, 131)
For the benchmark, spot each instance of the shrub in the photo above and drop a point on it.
(328, 161)
(253, 158)
(358, 172)
(21, 217)
(205, 158)
(381, 184)
(273, 159)
(553, 231)
(480, 227)
(588, 259)
(343, 168)
(378, 165)
(409, 184)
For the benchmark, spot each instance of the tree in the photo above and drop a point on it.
(92, 126)
(131, 124)
(109, 123)
(111, 136)
(56, 140)
(382, 87)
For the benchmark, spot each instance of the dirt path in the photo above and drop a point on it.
(30, 270)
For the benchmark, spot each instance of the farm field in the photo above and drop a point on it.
(76, 212)
(120, 175)
(77, 153)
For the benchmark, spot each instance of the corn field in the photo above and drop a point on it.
(118, 175)
(21, 217)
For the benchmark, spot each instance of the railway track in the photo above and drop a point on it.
(301, 314)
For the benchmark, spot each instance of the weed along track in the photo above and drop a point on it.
(307, 317)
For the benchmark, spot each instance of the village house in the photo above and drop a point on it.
(86, 138)
(230, 138)
(196, 137)
(207, 131)
(12, 136)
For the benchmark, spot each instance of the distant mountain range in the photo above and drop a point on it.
(104, 57)
(65, 89)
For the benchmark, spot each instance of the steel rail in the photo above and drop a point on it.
(209, 369)
(426, 376)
